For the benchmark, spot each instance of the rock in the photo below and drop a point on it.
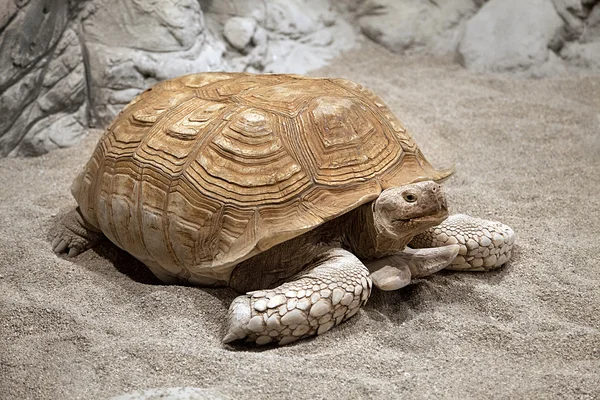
(143, 25)
(414, 25)
(47, 105)
(59, 130)
(57, 81)
(592, 26)
(42, 74)
(294, 19)
(17, 106)
(218, 12)
(510, 35)
(586, 55)
(586, 52)
(239, 31)
(290, 36)
(32, 33)
(575, 8)
(8, 9)
(148, 42)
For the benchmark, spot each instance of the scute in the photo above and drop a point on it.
(249, 158)
(204, 171)
(348, 143)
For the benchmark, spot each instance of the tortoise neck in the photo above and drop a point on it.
(359, 234)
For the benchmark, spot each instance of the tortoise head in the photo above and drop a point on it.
(399, 213)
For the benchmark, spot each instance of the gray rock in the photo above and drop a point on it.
(509, 35)
(45, 108)
(57, 81)
(154, 26)
(220, 11)
(572, 12)
(239, 31)
(294, 19)
(586, 55)
(17, 106)
(31, 35)
(290, 36)
(408, 26)
(149, 41)
(61, 102)
(62, 129)
(8, 9)
(304, 35)
(592, 26)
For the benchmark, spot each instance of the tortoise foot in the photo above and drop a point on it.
(73, 235)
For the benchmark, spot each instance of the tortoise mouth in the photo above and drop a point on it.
(436, 218)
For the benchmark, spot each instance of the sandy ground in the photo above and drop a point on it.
(527, 153)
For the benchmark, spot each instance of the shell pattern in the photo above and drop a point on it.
(203, 171)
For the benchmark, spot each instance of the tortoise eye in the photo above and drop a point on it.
(410, 197)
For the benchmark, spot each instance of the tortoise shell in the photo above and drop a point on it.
(204, 171)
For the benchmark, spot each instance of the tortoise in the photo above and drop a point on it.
(302, 193)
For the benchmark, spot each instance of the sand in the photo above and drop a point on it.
(527, 153)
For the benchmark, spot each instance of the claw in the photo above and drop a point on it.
(396, 271)
(230, 337)
(239, 316)
(424, 262)
(61, 246)
(391, 277)
(73, 251)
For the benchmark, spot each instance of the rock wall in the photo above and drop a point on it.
(415, 26)
(66, 65)
(533, 37)
(42, 83)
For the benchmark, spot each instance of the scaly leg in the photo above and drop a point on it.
(484, 245)
(75, 234)
(329, 291)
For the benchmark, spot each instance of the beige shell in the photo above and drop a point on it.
(204, 171)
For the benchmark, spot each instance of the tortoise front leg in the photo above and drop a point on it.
(484, 245)
(329, 291)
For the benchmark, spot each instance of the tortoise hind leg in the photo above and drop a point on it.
(329, 291)
(74, 234)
